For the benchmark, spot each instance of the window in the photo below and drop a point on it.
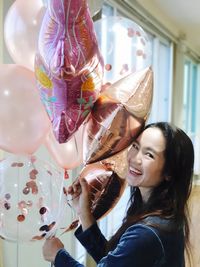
(190, 96)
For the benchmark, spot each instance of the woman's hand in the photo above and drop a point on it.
(51, 247)
(81, 202)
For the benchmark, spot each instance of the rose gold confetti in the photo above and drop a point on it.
(44, 228)
(72, 226)
(43, 210)
(14, 164)
(32, 176)
(51, 225)
(26, 190)
(7, 206)
(139, 53)
(130, 32)
(108, 67)
(22, 204)
(35, 171)
(39, 237)
(20, 218)
(7, 196)
(29, 203)
(138, 33)
(64, 191)
(50, 173)
(34, 190)
(66, 175)
(20, 164)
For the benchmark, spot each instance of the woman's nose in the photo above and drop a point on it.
(135, 158)
(138, 157)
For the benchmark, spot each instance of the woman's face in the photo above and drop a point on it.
(146, 159)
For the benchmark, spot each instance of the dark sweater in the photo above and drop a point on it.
(140, 246)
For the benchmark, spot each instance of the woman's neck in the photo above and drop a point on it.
(145, 193)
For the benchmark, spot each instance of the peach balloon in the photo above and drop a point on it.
(68, 155)
(23, 120)
(21, 30)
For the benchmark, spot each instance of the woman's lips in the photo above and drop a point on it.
(135, 171)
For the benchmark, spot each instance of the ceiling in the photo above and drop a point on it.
(182, 13)
(186, 15)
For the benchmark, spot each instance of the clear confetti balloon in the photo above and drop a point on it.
(31, 199)
(124, 45)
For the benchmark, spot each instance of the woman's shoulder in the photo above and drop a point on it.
(156, 229)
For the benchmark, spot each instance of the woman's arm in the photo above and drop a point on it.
(93, 240)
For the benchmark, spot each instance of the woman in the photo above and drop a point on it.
(155, 231)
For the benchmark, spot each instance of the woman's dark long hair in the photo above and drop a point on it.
(169, 199)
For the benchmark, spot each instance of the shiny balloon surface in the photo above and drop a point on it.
(68, 66)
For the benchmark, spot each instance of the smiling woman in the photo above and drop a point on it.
(146, 160)
(160, 174)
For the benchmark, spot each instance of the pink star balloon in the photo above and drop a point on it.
(69, 66)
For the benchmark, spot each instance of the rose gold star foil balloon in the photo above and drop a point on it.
(117, 163)
(118, 116)
(106, 188)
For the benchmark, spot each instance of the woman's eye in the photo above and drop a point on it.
(150, 155)
(135, 146)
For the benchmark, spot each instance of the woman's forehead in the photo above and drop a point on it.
(152, 137)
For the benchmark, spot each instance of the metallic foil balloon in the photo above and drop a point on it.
(118, 163)
(124, 45)
(68, 66)
(31, 199)
(106, 188)
(118, 116)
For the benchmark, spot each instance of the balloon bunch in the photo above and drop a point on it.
(25, 125)
(95, 102)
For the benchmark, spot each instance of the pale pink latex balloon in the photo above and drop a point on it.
(68, 67)
(21, 30)
(68, 155)
(23, 120)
